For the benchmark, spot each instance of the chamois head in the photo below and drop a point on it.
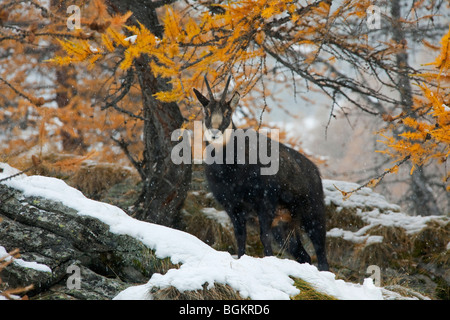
(217, 112)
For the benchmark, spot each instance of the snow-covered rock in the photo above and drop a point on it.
(255, 278)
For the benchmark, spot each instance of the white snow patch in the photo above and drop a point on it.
(141, 292)
(256, 278)
(373, 210)
(361, 199)
(24, 264)
(219, 216)
(355, 237)
(374, 239)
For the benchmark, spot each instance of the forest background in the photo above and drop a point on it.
(361, 87)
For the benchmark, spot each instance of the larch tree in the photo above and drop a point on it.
(126, 75)
(422, 199)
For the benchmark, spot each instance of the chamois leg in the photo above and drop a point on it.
(240, 231)
(288, 237)
(266, 213)
(265, 234)
(318, 237)
(296, 248)
(314, 225)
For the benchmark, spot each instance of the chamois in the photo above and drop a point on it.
(284, 201)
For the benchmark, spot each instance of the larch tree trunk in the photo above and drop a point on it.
(165, 184)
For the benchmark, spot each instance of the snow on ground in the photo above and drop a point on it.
(373, 210)
(256, 278)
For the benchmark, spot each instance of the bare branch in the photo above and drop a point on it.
(137, 164)
(120, 94)
(21, 94)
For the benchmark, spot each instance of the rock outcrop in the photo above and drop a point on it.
(59, 242)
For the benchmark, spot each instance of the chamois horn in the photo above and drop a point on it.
(211, 95)
(226, 89)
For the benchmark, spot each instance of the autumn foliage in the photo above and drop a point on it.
(426, 135)
(76, 91)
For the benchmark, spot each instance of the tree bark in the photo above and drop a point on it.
(165, 184)
(421, 194)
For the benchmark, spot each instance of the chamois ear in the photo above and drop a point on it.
(203, 100)
(234, 100)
